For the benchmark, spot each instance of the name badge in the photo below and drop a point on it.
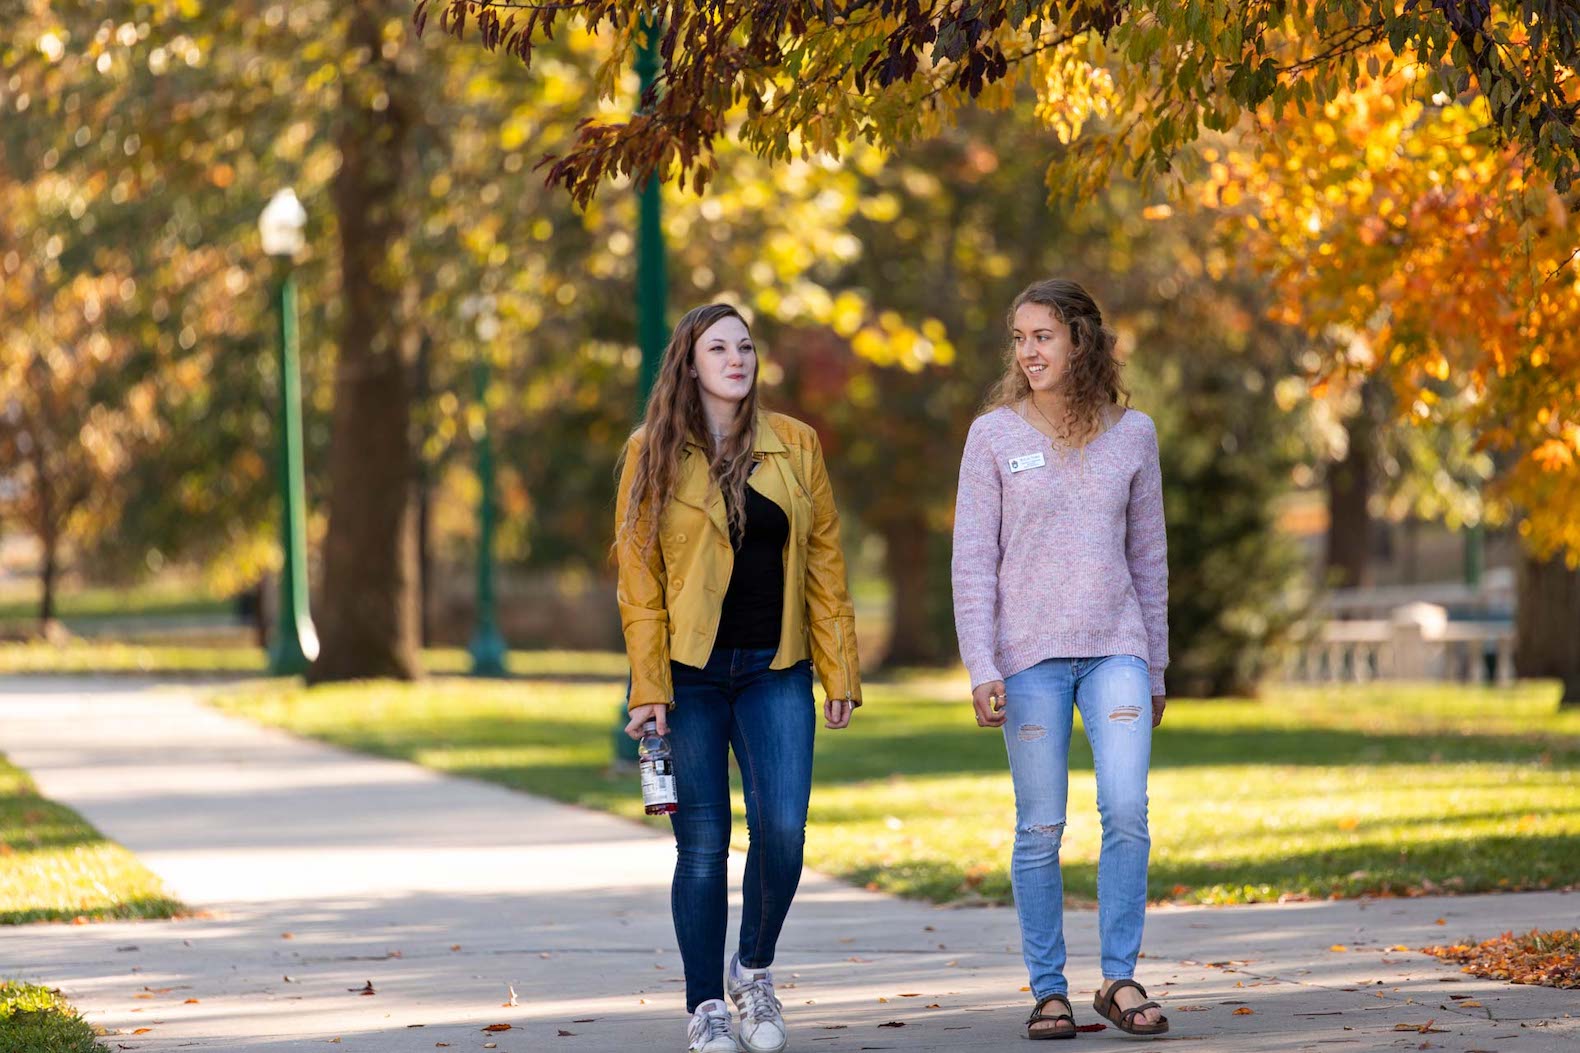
(1025, 461)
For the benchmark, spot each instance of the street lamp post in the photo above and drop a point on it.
(652, 290)
(487, 646)
(295, 643)
(652, 294)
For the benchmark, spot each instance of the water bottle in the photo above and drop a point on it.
(658, 771)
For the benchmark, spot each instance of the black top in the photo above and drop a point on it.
(754, 603)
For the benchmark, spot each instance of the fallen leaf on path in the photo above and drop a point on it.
(1441, 921)
(497, 1027)
(141, 995)
(159, 990)
(455, 946)
(586, 1020)
(366, 989)
(142, 1031)
(1089, 1028)
(1398, 947)
(1190, 1008)
(440, 1045)
(935, 1005)
(335, 1041)
(1338, 947)
(191, 1001)
(882, 999)
(893, 1023)
(1471, 1004)
(1421, 1029)
(287, 935)
(566, 1034)
(289, 980)
(131, 948)
(490, 1045)
(1026, 988)
(859, 960)
(914, 994)
(1244, 1010)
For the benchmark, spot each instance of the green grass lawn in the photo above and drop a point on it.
(37, 1020)
(83, 657)
(56, 867)
(1310, 792)
(20, 602)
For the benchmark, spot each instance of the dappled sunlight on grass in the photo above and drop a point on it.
(34, 1019)
(1387, 789)
(56, 867)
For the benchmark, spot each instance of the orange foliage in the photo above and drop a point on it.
(1410, 245)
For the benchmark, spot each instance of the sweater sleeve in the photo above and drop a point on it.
(975, 562)
(1146, 550)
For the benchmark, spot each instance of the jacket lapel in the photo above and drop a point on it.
(696, 487)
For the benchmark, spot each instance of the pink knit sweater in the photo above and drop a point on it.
(1065, 558)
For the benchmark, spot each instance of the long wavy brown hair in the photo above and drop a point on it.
(674, 416)
(1091, 382)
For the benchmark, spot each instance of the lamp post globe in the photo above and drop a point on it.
(282, 224)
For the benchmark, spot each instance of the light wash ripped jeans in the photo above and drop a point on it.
(1115, 697)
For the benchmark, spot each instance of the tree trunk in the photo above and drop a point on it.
(48, 576)
(1349, 492)
(48, 531)
(369, 604)
(1547, 623)
(915, 636)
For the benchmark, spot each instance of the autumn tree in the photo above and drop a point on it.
(1443, 263)
(1484, 94)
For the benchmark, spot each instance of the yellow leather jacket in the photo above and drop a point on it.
(671, 595)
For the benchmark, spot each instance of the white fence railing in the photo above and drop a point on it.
(1415, 642)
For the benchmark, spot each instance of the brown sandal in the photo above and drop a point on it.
(1124, 1019)
(1039, 1017)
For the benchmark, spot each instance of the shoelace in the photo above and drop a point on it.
(714, 1025)
(760, 1000)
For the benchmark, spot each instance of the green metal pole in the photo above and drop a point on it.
(295, 640)
(487, 647)
(1475, 554)
(652, 283)
(652, 294)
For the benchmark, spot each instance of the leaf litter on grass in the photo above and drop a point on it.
(1546, 959)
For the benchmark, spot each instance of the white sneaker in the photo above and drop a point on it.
(752, 991)
(709, 1031)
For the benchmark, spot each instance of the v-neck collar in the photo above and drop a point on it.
(1045, 437)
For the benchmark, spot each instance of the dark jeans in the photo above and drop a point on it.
(767, 717)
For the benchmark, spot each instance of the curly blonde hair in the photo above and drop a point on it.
(1091, 381)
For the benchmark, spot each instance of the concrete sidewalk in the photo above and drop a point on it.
(319, 872)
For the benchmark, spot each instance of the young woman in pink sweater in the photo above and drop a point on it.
(1061, 601)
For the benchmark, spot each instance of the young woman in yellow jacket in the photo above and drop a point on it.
(731, 588)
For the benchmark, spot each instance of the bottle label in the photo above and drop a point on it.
(658, 783)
